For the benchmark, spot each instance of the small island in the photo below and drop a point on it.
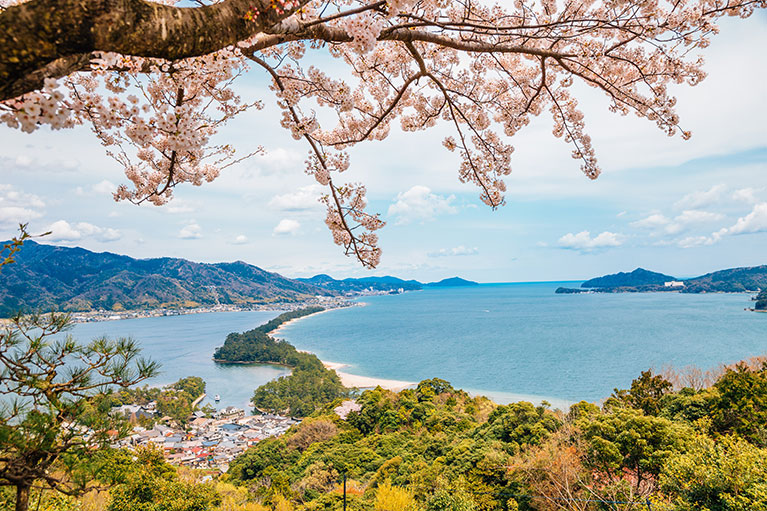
(761, 301)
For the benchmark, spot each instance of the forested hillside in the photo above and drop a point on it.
(48, 277)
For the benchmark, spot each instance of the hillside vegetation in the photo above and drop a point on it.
(48, 277)
(733, 280)
(309, 386)
(436, 448)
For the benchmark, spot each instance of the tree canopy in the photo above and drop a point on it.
(156, 79)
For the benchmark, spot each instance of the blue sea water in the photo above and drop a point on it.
(523, 340)
(508, 341)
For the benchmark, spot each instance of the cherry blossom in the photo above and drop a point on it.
(484, 69)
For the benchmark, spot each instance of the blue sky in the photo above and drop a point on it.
(683, 208)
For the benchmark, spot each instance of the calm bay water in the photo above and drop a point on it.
(184, 345)
(504, 340)
(508, 340)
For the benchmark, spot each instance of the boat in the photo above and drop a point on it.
(217, 398)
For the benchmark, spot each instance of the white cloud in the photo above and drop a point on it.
(747, 195)
(690, 217)
(584, 242)
(104, 187)
(419, 203)
(756, 221)
(696, 241)
(285, 227)
(279, 161)
(179, 206)
(679, 223)
(460, 250)
(18, 207)
(190, 232)
(304, 199)
(240, 240)
(652, 221)
(62, 230)
(23, 161)
(700, 199)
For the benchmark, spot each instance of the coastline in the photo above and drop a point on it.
(366, 382)
(283, 325)
(348, 379)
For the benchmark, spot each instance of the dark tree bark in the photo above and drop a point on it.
(53, 38)
(22, 498)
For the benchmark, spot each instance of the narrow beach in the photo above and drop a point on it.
(351, 380)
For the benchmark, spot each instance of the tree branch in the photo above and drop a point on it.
(52, 38)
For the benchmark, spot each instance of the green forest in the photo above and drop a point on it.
(653, 446)
(258, 347)
(309, 386)
(657, 445)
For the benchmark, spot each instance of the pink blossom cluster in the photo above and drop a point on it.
(483, 69)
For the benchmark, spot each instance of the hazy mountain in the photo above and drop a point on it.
(452, 282)
(362, 284)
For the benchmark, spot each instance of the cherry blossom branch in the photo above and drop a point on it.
(364, 246)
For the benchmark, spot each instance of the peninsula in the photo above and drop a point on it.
(732, 280)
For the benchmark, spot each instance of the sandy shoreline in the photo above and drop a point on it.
(283, 325)
(347, 379)
(366, 382)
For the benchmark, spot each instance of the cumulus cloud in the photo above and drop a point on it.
(747, 195)
(240, 239)
(584, 242)
(684, 220)
(691, 217)
(18, 207)
(304, 199)
(420, 204)
(699, 199)
(104, 187)
(756, 221)
(191, 231)
(62, 230)
(653, 221)
(696, 241)
(460, 250)
(286, 227)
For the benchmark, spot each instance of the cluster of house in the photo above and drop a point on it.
(328, 302)
(206, 442)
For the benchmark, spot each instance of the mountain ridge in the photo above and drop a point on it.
(46, 277)
(731, 280)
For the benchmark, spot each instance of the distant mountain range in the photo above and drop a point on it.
(363, 284)
(46, 277)
(49, 277)
(733, 280)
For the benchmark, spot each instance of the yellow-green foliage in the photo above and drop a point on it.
(235, 498)
(282, 504)
(724, 474)
(392, 498)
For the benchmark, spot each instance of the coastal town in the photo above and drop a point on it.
(327, 302)
(208, 442)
